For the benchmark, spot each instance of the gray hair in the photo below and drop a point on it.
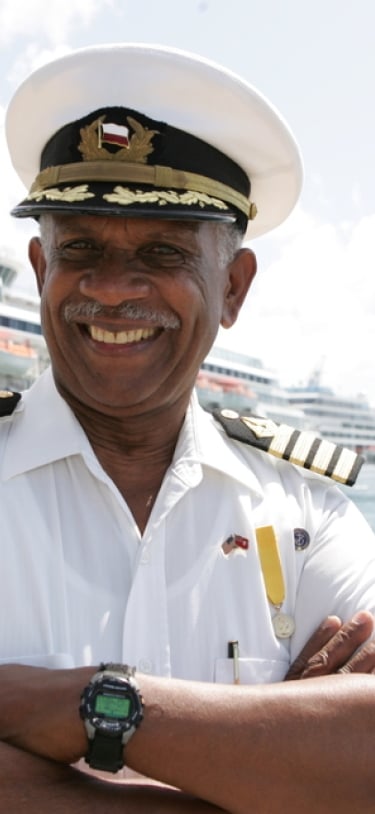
(229, 241)
(45, 228)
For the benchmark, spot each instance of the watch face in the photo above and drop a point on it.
(112, 705)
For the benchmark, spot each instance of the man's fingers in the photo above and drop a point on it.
(338, 651)
(317, 641)
(341, 648)
(361, 662)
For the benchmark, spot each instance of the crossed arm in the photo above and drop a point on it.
(305, 746)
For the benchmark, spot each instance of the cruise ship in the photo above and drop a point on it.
(241, 382)
(23, 352)
(347, 420)
(228, 379)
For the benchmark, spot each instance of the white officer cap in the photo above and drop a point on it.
(142, 130)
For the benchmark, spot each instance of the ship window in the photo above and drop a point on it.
(20, 325)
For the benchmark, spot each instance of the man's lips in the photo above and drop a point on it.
(100, 323)
(120, 337)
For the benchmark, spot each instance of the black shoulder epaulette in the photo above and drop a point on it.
(301, 447)
(8, 402)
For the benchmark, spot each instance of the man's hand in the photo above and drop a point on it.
(337, 648)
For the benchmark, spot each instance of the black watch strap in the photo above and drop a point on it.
(111, 707)
(105, 753)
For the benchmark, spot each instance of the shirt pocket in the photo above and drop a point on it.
(251, 671)
(54, 661)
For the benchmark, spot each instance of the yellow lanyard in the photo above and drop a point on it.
(270, 562)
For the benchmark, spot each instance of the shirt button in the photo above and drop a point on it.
(145, 665)
(145, 557)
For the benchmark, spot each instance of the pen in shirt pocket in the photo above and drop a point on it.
(234, 655)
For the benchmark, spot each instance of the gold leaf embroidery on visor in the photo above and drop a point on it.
(69, 194)
(124, 197)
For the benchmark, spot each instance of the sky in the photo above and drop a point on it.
(312, 306)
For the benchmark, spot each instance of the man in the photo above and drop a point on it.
(134, 529)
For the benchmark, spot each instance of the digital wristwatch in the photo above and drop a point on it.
(111, 707)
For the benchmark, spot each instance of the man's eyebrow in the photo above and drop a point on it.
(161, 229)
(168, 233)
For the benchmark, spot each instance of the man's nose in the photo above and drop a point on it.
(116, 279)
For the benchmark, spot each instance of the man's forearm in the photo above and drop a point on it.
(305, 746)
(40, 786)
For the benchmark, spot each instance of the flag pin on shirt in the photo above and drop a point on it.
(233, 542)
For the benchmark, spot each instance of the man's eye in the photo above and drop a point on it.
(162, 254)
(78, 251)
(79, 246)
(164, 249)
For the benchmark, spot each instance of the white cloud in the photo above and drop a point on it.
(45, 28)
(53, 19)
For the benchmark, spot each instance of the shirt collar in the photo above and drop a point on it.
(204, 443)
(45, 429)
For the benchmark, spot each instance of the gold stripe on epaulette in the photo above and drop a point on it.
(300, 451)
(301, 447)
(323, 457)
(344, 466)
(281, 440)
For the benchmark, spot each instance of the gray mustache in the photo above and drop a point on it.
(127, 310)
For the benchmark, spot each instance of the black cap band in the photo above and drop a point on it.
(118, 160)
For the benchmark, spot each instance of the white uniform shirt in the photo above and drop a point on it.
(80, 585)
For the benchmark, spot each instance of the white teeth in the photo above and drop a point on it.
(119, 337)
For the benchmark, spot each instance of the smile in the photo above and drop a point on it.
(120, 337)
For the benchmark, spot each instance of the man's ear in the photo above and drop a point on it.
(241, 273)
(38, 262)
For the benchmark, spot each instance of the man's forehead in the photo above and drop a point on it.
(93, 224)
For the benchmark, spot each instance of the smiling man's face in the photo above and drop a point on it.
(130, 306)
